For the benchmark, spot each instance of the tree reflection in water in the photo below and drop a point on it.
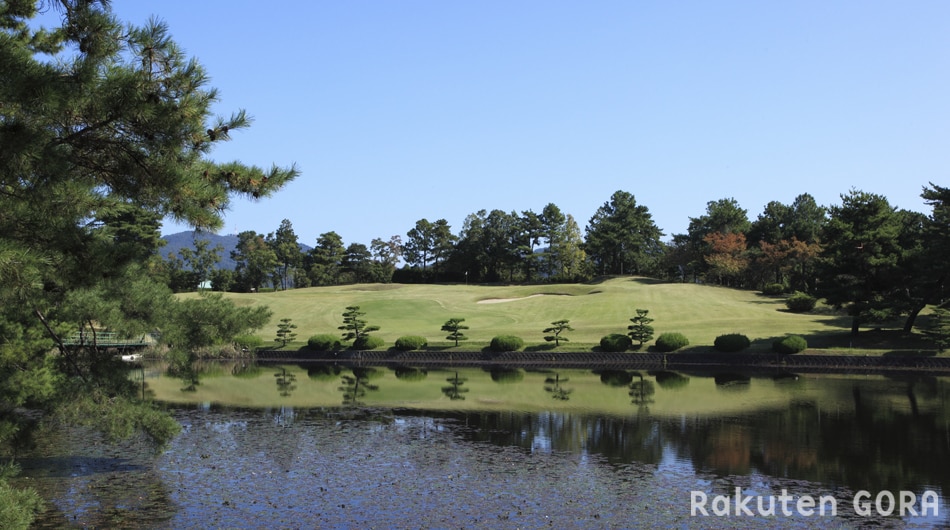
(454, 391)
(642, 391)
(285, 382)
(553, 386)
(357, 385)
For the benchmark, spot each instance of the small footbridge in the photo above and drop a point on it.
(106, 339)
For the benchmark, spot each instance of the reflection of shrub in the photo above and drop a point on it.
(616, 377)
(246, 370)
(367, 372)
(504, 343)
(671, 380)
(368, 342)
(790, 344)
(800, 302)
(324, 342)
(411, 342)
(507, 375)
(615, 342)
(773, 289)
(731, 342)
(410, 374)
(323, 373)
(668, 342)
(732, 380)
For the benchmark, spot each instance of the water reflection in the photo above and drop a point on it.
(454, 391)
(357, 385)
(642, 391)
(713, 431)
(553, 386)
(285, 382)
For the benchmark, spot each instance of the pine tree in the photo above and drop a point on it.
(558, 327)
(641, 330)
(285, 331)
(455, 328)
(105, 130)
(354, 327)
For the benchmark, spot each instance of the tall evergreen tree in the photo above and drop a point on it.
(255, 260)
(325, 260)
(861, 258)
(552, 230)
(287, 250)
(105, 128)
(622, 237)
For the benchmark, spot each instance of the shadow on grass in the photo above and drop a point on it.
(910, 353)
(647, 281)
(541, 347)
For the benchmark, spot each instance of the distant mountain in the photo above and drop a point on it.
(176, 242)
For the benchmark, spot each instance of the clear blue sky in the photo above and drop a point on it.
(399, 110)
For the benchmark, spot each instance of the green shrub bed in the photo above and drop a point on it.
(731, 342)
(790, 344)
(671, 341)
(411, 342)
(615, 342)
(503, 343)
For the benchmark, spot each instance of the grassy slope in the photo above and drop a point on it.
(700, 312)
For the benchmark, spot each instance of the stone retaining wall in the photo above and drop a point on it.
(670, 361)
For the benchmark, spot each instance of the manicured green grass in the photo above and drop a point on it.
(701, 312)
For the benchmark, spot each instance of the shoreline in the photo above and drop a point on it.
(644, 361)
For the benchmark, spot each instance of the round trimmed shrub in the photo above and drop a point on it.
(790, 344)
(368, 342)
(324, 342)
(731, 342)
(800, 302)
(615, 342)
(773, 289)
(504, 343)
(671, 341)
(411, 342)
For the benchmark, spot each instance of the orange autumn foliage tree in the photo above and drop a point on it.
(790, 260)
(727, 257)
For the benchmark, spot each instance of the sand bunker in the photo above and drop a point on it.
(503, 300)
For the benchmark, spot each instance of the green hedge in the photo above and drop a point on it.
(250, 342)
(773, 289)
(411, 342)
(731, 342)
(790, 344)
(800, 302)
(323, 342)
(615, 342)
(368, 342)
(503, 343)
(671, 341)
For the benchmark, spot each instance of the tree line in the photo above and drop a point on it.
(864, 255)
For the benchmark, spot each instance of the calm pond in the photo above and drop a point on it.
(320, 446)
